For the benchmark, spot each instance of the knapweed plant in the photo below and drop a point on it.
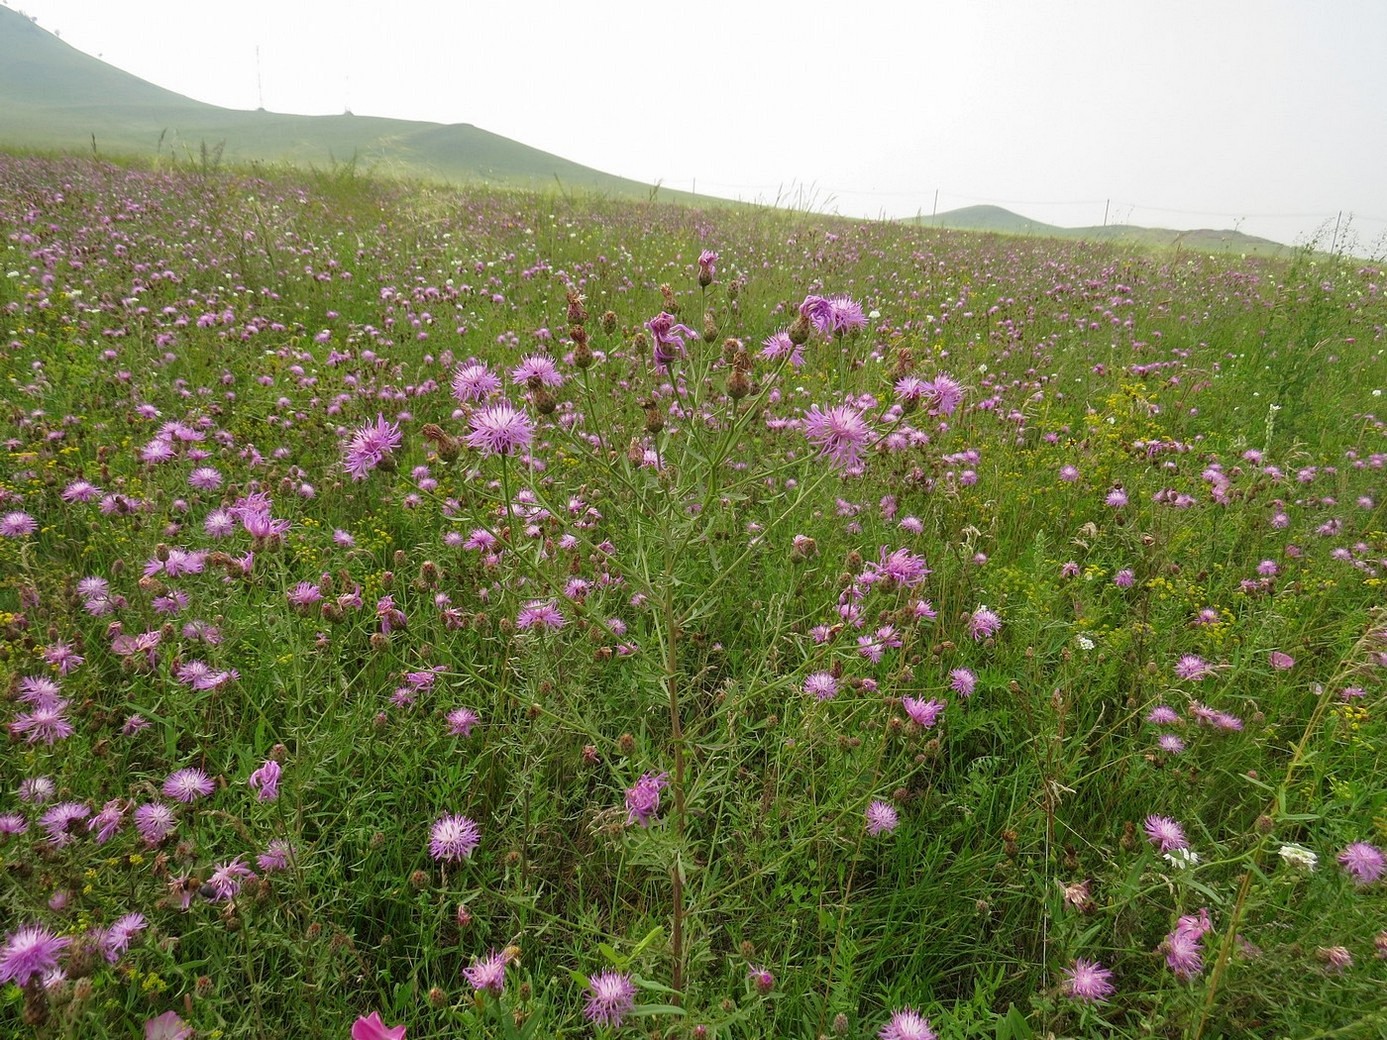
(443, 613)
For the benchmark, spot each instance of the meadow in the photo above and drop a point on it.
(486, 614)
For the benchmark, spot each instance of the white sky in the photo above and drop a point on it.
(1266, 115)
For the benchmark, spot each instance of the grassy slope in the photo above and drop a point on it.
(53, 96)
(1004, 222)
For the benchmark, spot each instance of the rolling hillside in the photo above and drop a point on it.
(1004, 222)
(54, 97)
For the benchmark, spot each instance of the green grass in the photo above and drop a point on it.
(1234, 400)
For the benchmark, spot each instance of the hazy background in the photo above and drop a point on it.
(1267, 117)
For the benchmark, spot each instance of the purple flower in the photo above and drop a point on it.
(923, 713)
(500, 429)
(475, 382)
(822, 685)
(32, 950)
(205, 478)
(669, 338)
(643, 800)
(370, 446)
(536, 370)
(489, 972)
(611, 997)
(944, 394)
(907, 1025)
(983, 623)
(833, 315)
(902, 567)
(707, 267)
(1088, 980)
(187, 785)
(454, 838)
(881, 818)
(116, 939)
(1192, 668)
(155, 822)
(539, 614)
(778, 345)
(1117, 498)
(1280, 661)
(265, 781)
(1165, 833)
(17, 524)
(963, 682)
(1183, 949)
(1364, 862)
(276, 856)
(47, 724)
(225, 880)
(58, 819)
(461, 721)
(107, 821)
(840, 434)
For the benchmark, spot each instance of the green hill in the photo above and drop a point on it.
(54, 97)
(1001, 221)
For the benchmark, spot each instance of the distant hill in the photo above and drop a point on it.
(1004, 222)
(55, 97)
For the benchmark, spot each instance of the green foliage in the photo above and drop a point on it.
(719, 556)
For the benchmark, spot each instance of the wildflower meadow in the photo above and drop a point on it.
(463, 613)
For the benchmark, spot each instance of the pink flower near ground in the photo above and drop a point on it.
(167, 1026)
(370, 1027)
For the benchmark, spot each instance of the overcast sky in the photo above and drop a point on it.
(1265, 115)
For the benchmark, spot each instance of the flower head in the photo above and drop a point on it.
(370, 1027)
(461, 721)
(983, 623)
(1088, 980)
(17, 524)
(168, 1026)
(500, 429)
(707, 267)
(454, 838)
(822, 685)
(32, 950)
(475, 382)
(1165, 833)
(881, 818)
(265, 781)
(188, 785)
(489, 972)
(1298, 856)
(611, 997)
(370, 445)
(1363, 862)
(923, 713)
(643, 800)
(668, 335)
(907, 1025)
(840, 434)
